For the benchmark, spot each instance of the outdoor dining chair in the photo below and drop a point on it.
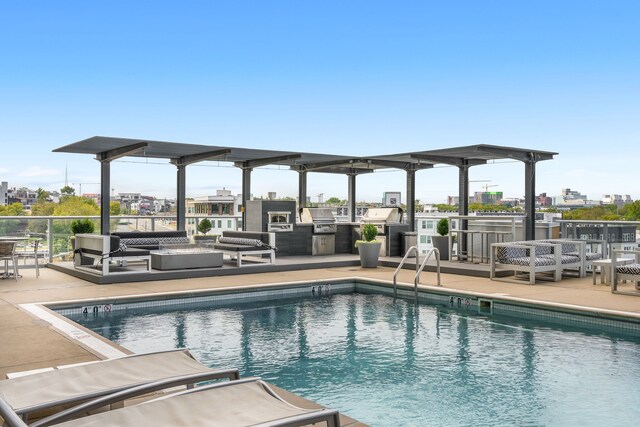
(8, 253)
(30, 249)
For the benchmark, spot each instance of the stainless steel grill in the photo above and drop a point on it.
(323, 240)
(380, 217)
(322, 219)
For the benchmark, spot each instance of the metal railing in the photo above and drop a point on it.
(419, 267)
(581, 229)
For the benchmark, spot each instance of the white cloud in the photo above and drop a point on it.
(35, 171)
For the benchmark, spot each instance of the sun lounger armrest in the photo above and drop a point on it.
(11, 419)
(110, 399)
(330, 416)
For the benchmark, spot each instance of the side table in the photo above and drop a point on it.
(605, 268)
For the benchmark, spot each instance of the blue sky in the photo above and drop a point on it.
(355, 78)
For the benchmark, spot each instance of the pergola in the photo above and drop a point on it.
(107, 149)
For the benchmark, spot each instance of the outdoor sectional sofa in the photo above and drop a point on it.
(151, 240)
(238, 244)
(536, 256)
(106, 251)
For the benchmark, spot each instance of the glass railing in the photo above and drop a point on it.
(55, 233)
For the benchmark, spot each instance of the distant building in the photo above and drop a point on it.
(392, 199)
(453, 200)
(488, 197)
(342, 213)
(223, 209)
(570, 199)
(22, 195)
(513, 202)
(619, 237)
(4, 193)
(426, 224)
(544, 201)
(93, 196)
(616, 199)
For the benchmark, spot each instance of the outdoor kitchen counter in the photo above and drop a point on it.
(299, 240)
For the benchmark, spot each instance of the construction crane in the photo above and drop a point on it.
(486, 187)
(79, 184)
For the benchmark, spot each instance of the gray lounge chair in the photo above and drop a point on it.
(246, 402)
(43, 391)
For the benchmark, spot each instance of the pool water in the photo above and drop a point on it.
(390, 363)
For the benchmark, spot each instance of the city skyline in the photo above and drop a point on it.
(359, 79)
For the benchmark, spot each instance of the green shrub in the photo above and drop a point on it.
(82, 226)
(204, 226)
(443, 227)
(369, 232)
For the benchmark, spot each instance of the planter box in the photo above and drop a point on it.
(369, 254)
(442, 244)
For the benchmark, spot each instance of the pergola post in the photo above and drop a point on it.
(105, 197)
(246, 194)
(351, 196)
(302, 188)
(530, 197)
(463, 204)
(181, 197)
(411, 198)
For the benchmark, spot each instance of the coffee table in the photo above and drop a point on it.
(179, 259)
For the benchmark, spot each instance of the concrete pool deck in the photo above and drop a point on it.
(29, 343)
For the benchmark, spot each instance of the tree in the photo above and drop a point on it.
(204, 226)
(76, 206)
(42, 195)
(631, 212)
(114, 208)
(14, 209)
(333, 201)
(608, 212)
(67, 191)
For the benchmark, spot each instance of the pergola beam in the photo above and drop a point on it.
(509, 153)
(200, 157)
(321, 165)
(399, 164)
(116, 153)
(448, 160)
(256, 163)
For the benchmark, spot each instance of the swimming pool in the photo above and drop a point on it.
(392, 363)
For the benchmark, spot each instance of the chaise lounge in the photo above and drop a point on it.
(247, 402)
(30, 394)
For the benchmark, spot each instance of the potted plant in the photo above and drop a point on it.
(82, 226)
(204, 227)
(369, 248)
(441, 242)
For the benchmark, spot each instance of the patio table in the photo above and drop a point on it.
(7, 274)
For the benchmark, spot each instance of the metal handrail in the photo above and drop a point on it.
(404, 259)
(419, 267)
(416, 278)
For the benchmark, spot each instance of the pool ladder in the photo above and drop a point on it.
(419, 267)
